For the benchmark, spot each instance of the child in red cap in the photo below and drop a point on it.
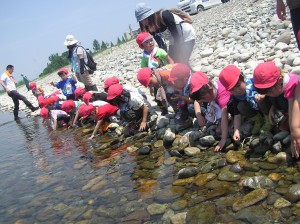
(247, 101)
(101, 114)
(217, 97)
(159, 79)
(284, 93)
(67, 84)
(71, 107)
(79, 92)
(36, 90)
(57, 117)
(132, 107)
(180, 80)
(153, 57)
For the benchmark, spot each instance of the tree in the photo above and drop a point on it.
(103, 46)
(123, 40)
(111, 44)
(96, 45)
(119, 41)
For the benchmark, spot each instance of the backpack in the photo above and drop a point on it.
(183, 15)
(90, 65)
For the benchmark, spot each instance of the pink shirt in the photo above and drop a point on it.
(290, 82)
(222, 96)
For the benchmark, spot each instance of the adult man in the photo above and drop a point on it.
(294, 6)
(78, 58)
(9, 84)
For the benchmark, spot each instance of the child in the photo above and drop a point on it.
(57, 117)
(217, 97)
(247, 102)
(284, 93)
(132, 107)
(101, 114)
(71, 107)
(67, 84)
(159, 79)
(79, 92)
(36, 91)
(97, 99)
(153, 57)
(180, 80)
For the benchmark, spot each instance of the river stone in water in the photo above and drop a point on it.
(145, 150)
(207, 141)
(157, 209)
(202, 179)
(187, 172)
(280, 135)
(169, 194)
(293, 193)
(258, 182)
(234, 156)
(226, 175)
(201, 214)
(191, 151)
(282, 203)
(250, 199)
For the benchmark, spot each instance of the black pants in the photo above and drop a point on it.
(295, 20)
(16, 97)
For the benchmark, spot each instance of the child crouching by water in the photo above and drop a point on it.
(71, 107)
(99, 113)
(132, 108)
(217, 97)
(284, 93)
(58, 118)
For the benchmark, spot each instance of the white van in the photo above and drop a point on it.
(195, 6)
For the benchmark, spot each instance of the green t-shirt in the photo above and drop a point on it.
(160, 55)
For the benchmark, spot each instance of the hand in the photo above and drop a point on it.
(220, 146)
(201, 121)
(295, 143)
(92, 136)
(260, 97)
(176, 97)
(280, 10)
(271, 115)
(143, 126)
(236, 136)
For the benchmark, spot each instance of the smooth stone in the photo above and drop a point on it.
(187, 172)
(250, 199)
(202, 179)
(207, 141)
(157, 209)
(234, 156)
(202, 214)
(191, 151)
(282, 203)
(227, 175)
(257, 182)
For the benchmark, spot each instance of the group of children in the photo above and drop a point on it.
(189, 94)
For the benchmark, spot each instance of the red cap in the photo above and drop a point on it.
(85, 110)
(79, 91)
(48, 101)
(68, 106)
(179, 71)
(44, 112)
(63, 70)
(144, 75)
(114, 91)
(142, 37)
(111, 81)
(266, 75)
(198, 80)
(32, 85)
(229, 76)
(86, 98)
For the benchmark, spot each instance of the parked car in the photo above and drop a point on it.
(196, 6)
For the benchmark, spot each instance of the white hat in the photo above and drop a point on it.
(70, 40)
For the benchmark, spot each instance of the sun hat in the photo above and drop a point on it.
(70, 40)
(79, 91)
(85, 110)
(63, 70)
(142, 11)
(111, 81)
(266, 75)
(44, 112)
(32, 85)
(229, 76)
(144, 75)
(86, 97)
(114, 91)
(198, 80)
(68, 106)
(143, 37)
(179, 71)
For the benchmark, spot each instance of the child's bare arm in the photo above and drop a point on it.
(224, 129)
(96, 129)
(170, 60)
(144, 119)
(294, 121)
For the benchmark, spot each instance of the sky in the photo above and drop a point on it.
(32, 30)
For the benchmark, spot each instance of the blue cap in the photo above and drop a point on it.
(142, 11)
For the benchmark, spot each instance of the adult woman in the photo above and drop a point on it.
(182, 39)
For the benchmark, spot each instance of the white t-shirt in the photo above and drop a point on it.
(8, 81)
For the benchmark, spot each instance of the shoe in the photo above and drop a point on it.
(17, 119)
(164, 111)
(258, 122)
(266, 126)
(34, 108)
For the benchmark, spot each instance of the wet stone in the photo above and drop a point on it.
(282, 203)
(201, 214)
(191, 151)
(158, 144)
(236, 168)
(207, 141)
(293, 193)
(227, 175)
(202, 179)
(168, 194)
(258, 182)
(280, 135)
(267, 166)
(179, 205)
(234, 156)
(187, 172)
(250, 199)
(145, 150)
